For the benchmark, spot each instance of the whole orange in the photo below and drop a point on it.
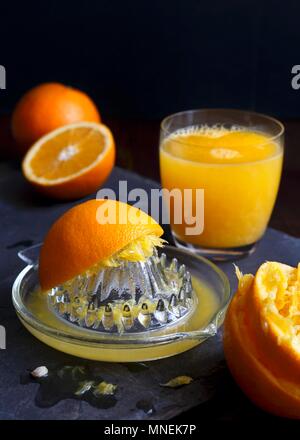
(47, 107)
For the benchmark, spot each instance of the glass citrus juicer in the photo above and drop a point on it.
(112, 291)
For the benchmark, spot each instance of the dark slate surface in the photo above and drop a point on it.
(25, 217)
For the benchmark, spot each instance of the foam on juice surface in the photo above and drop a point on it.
(217, 144)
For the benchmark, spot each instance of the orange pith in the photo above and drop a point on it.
(261, 338)
(71, 161)
(77, 241)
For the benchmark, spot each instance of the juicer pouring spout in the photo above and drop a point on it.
(30, 255)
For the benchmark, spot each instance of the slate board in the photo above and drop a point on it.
(25, 217)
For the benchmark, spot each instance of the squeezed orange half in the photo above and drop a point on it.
(262, 337)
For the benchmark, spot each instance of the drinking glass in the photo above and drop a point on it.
(234, 159)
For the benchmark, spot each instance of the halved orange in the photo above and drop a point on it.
(85, 237)
(276, 304)
(262, 338)
(71, 161)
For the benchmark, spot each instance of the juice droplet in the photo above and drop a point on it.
(72, 382)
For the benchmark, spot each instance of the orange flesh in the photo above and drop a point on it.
(68, 153)
(261, 340)
(277, 288)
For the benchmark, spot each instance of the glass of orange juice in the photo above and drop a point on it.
(234, 159)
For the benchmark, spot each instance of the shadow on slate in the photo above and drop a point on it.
(25, 217)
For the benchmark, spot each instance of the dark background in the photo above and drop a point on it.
(141, 60)
(146, 59)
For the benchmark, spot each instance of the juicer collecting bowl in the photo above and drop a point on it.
(142, 311)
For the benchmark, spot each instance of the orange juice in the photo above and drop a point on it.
(37, 303)
(238, 169)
